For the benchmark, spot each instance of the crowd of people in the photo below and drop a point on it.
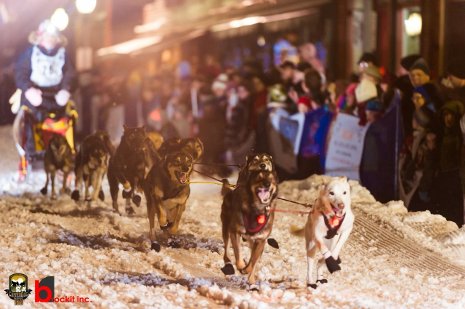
(228, 108)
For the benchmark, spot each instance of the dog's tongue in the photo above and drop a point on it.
(183, 178)
(263, 194)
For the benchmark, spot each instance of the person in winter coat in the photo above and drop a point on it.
(239, 138)
(418, 159)
(44, 74)
(449, 195)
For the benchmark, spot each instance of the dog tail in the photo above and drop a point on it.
(297, 231)
(226, 188)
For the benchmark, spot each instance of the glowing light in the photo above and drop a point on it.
(86, 6)
(413, 24)
(261, 41)
(152, 26)
(60, 19)
(261, 219)
(129, 46)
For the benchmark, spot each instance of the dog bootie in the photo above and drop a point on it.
(75, 195)
(155, 246)
(332, 264)
(101, 196)
(136, 199)
(228, 269)
(44, 191)
(273, 243)
(126, 194)
(312, 285)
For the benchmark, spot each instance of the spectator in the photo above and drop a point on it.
(449, 195)
(239, 137)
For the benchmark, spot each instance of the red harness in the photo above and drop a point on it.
(255, 223)
(333, 224)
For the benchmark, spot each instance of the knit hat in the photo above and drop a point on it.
(373, 71)
(409, 60)
(46, 27)
(455, 107)
(457, 68)
(373, 105)
(420, 64)
(368, 57)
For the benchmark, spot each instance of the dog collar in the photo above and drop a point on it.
(333, 224)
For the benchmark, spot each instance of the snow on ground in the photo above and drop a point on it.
(393, 259)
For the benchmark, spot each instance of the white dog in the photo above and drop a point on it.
(328, 227)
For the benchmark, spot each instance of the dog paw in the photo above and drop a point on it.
(174, 243)
(332, 264)
(253, 287)
(228, 269)
(130, 211)
(322, 281)
(312, 285)
(44, 191)
(155, 246)
(245, 271)
(75, 195)
(273, 243)
(126, 194)
(101, 195)
(136, 199)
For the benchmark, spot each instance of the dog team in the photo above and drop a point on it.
(144, 163)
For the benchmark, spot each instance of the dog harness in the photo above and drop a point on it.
(255, 223)
(333, 224)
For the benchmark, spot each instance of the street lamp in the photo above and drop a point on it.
(60, 19)
(413, 24)
(86, 6)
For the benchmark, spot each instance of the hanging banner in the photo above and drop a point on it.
(345, 147)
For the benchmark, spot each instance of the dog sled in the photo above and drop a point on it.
(60, 121)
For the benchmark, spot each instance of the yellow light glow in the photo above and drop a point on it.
(413, 24)
(60, 19)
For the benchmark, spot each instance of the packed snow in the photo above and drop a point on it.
(393, 259)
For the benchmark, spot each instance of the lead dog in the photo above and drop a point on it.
(328, 227)
(247, 212)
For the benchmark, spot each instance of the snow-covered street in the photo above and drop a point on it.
(393, 259)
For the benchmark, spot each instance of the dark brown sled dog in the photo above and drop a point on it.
(247, 212)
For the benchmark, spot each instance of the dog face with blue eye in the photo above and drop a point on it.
(338, 193)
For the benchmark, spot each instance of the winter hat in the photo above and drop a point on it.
(455, 107)
(369, 58)
(221, 82)
(409, 60)
(46, 27)
(420, 64)
(373, 71)
(457, 68)
(374, 105)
